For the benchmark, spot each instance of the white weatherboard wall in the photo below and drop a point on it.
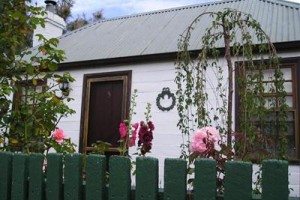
(149, 79)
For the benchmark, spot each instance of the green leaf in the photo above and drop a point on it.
(34, 82)
(30, 69)
(52, 66)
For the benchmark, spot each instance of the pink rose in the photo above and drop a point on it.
(198, 143)
(59, 135)
(212, 133)
(203, 137)
(123, 130)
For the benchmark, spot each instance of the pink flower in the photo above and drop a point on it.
(59, 135)
(212, 133)
(136, 126)
(198, 143)
(133, 137)
(203, 138)
(123, 130)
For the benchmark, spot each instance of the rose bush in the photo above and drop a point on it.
(60, 142)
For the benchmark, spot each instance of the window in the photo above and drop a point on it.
(271, 103)
(26, 91)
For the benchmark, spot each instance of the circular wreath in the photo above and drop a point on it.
(165, 91)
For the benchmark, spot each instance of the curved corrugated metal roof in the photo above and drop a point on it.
(158, 32)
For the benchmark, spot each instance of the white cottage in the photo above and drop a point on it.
(112, 57)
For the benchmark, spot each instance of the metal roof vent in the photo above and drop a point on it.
(50, 6)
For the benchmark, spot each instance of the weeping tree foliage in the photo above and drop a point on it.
(234, 50)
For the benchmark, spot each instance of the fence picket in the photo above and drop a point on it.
(146, 178)
(54, 177)
(119, 178)
(275, 180)
(95, 177)
(175, 179)
(22, 178)
(73, 177)
(205, 179)
(5, 174)
(19, 177)
(36, 176)
(238, 181)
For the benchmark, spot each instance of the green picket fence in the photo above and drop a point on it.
(22, 178)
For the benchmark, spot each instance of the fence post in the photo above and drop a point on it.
(19, 177)
(119, 178)
(36, 177)
(205, 179)
(238, 181)
(95, 177)
(5, 174)
(275, 180)
(175, 179)
(73, 177)
(146, 178)
(54, 176)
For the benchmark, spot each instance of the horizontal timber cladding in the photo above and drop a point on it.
(84, 177)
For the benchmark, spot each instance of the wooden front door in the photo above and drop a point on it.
(106, 103)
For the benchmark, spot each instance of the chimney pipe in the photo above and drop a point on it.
(50, 6)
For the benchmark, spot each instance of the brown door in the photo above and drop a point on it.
(106, 102)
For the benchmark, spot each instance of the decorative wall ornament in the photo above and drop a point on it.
(161, 96)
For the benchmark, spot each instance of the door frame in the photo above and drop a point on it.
(124, 76)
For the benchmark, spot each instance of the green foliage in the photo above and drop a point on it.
(133, 105)
(148, 112)
(100, 147)
(31, 106)
(65, 147)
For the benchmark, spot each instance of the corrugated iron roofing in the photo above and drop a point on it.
(158, 32)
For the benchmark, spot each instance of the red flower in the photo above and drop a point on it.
(151, 125)
(145, 137)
